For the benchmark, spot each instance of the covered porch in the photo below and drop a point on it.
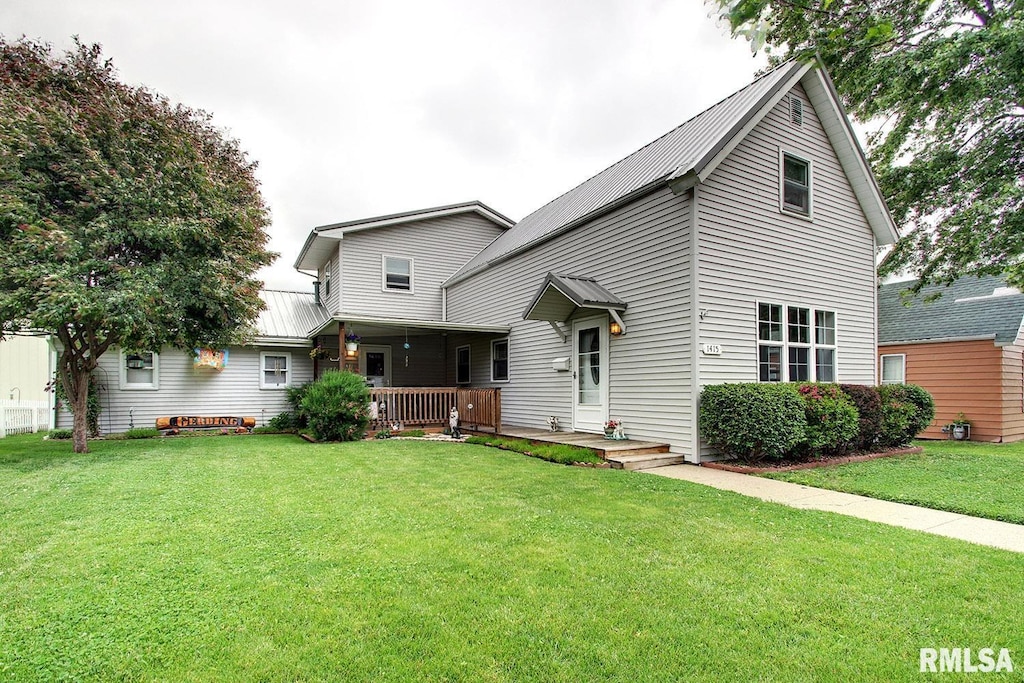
(410, 367)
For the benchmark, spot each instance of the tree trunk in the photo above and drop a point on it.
(80, 411)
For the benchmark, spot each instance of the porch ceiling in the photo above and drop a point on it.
(561, 295)
(382, 327)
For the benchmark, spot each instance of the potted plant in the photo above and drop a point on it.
(960, 428)
(613, 430)
(352, 341)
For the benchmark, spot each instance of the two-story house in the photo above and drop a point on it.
(738, 247)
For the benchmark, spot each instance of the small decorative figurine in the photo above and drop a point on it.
(453, 423)
(553, 423)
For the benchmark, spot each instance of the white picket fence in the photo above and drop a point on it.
(21, 417)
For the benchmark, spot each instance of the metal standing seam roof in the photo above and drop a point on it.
(685, 149)
(289, 315)
(967, 309)
(563, 294)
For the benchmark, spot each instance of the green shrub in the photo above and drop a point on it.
(832, 420)
(295, 396)
(267, 429)
(869, 410)
(60, 434)
(752, 421)
(142, 433)
(907, 410)
(284, 422)
(337, 406)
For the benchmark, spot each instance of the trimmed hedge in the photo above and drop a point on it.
(776, 421)
(832, 419)
(907, 410)
(869, 410)
(753, 421)
(337, 406)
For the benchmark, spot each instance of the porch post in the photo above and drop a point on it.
(341, 346)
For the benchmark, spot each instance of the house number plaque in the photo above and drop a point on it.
(711, 349)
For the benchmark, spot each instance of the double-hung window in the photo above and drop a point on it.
(499, 360)
(462, 365)
(140, 370)
(275, 370)
(796, 184)
(894, 368)
(396, 274)
(795, 344)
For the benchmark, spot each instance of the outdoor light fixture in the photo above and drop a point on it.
(615, 329)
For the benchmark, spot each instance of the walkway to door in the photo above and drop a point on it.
(629, 454)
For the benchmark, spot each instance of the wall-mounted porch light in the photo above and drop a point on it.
(615, 329)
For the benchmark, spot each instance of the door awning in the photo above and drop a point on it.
(561, 296)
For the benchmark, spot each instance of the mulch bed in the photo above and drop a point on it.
(809, 464)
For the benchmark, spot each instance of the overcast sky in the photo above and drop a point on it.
(357, 109)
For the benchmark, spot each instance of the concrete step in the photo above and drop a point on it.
(644, 461)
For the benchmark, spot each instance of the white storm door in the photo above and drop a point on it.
(590, 377)
(375, 364)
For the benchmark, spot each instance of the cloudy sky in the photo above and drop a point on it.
(361, 108)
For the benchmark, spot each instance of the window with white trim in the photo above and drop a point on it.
(894, 368)
(327, 279)
(796, 184)
(803, 349)
(140, 370)
(275, 370)
(396, 274)
(462, 365)
(499, 360)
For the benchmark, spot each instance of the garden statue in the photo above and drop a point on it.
(453, 423)
(553, 423)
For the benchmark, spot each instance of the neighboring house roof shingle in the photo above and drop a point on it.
(685, 156)
(289, 316)
(969, 308)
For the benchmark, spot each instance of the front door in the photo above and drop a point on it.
(375, 364)
(590, 378)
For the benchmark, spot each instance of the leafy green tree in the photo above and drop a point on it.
(125, 220)
(942, 82)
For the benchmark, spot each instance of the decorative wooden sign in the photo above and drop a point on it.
(210, 358)
(199, 422)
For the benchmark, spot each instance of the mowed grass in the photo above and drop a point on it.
(982, 480)
(268, 558)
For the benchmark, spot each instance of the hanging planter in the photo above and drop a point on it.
(352, 342)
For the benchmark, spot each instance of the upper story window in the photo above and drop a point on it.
(140, 370)
(499, 360)
(275, 370)
(796, 184)
(802, 350)
(894, 368)
(327, 279)
(396, 274)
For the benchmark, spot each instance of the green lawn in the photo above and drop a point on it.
(271, 559)
(983, 480)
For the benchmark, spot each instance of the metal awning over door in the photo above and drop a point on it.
(561, 296)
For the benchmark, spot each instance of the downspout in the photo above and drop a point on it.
(694, 455)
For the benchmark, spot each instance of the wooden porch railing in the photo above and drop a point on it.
(429, 407)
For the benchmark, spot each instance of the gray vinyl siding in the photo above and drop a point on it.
(437, 248)
(235, 391)
(332, 299)
(751, 251)
(640, 253)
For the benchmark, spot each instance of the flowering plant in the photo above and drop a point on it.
(352, 338)
(612, 424)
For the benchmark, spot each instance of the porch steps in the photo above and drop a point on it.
(644, 461)
(629, 454)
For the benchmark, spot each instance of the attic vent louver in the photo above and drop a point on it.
(796, 110)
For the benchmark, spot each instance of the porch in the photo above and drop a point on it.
(429, 407)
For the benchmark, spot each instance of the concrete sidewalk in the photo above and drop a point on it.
(972, 529)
